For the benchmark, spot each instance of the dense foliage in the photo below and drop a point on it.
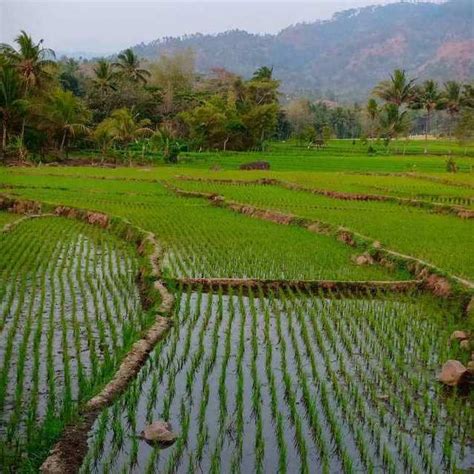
(130, 110)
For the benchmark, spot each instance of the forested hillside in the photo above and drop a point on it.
(348, 55)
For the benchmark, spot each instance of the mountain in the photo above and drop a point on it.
(346, 56)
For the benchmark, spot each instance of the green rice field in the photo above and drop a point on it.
(253, 376)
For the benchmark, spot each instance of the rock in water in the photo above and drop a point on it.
(453, 373)
(159, 433)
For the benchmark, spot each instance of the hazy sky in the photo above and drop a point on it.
(106, 26)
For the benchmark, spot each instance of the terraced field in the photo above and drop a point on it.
(402, 228)
(319, 352)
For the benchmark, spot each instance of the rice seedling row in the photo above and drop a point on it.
(400, 228)
(293, 383)
(202, 241)
(69, 307)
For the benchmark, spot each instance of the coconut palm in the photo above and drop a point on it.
(12, 103)
(105, 76)
(372, 111)
(122, 127)
(263, 72)
(452, 100)
(393, 122)
(128, 65)
(103, 138)
(31, 60)
(397, 90)
(66, 115)
(429, 98)
(126, 127)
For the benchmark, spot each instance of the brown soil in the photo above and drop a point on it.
(67, 455)
(346, 237)
(98, 218)
(266, 215)
(438, 285)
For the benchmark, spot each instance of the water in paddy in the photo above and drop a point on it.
(67, 301)
(291, 383)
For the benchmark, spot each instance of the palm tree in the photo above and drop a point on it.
(127, 127)
(128, 65)
(103, 138)
(12, 103)
(31, 60)
(263, 72)
(452, 100)
(105, 76)
(65, 114)
(468, 96)
(393, 123)
(372, 110)
(428, 97)
(397, 90)
(123, 127)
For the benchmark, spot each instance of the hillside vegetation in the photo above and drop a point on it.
(347, 55)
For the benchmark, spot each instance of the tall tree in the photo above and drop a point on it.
(12, 103)
(398, 90)
(32, 62)
(65, 115)
(452, 101)
(128, 65)
(372, 111)
(429, 98)
(104, 77)
(31, 59)
(393, 122)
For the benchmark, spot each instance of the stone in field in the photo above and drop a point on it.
(364, 259)
(255, 165)
(458, 336)
(159, 433)
(453, 373)
(465, 344)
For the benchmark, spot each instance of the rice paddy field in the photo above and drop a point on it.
(253, 377)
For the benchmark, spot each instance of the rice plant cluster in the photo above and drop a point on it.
(286, 382)
(69, 308)
(203, 241)
(433, 237)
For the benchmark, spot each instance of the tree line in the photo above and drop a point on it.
(397, 107)
(129, 109)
